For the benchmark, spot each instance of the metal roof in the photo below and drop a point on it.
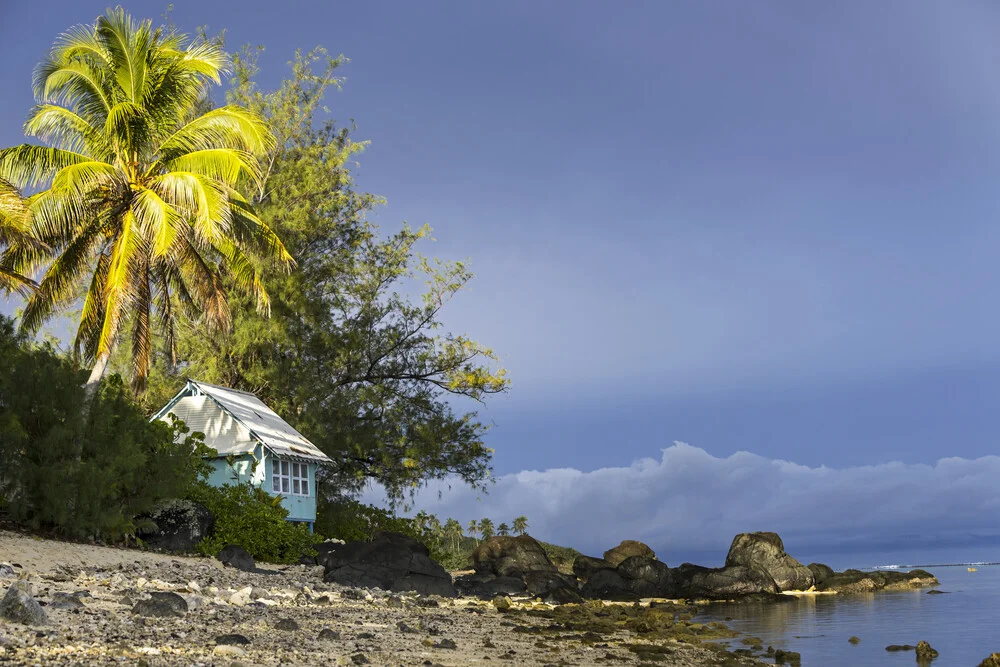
(263, 423)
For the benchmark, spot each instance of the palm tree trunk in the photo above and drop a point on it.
(96, 375)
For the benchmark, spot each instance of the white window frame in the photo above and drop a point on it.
(289, 478)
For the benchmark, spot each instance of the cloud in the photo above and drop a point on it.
(690, 502)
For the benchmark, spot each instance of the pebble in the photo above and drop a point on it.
(286, 624)
(327, 634)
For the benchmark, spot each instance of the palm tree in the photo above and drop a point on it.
(520, 525)
(16, 237)
(486, 528)
(473, 529)
(139, 195)
(503, 529)
(453, 533)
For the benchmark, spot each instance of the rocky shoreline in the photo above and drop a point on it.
(89, 605)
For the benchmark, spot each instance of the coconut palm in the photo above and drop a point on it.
(473, 529)
(16, 238)
(453, 533)
(138, 194)
(520, 525)
(503, 530)
(486, 528)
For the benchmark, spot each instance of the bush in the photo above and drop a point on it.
(79, 471)
(349, 520)
(247, 516)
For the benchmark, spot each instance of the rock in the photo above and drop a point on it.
(66, 601)
(894, 648)
(229, 650)
(925, 652)
(511, 556)
(854, 640)
(237, 557)
(287, 624)
(445, 643)
(584, 566)
(232, 640)
(856, 581)
(787, 658)
(849, 581)
(694, 581)
(992, 661)
(486, 586)
(241, 597)
(552, 587)
(627, 549)
(766, 551)
(607, 585)
(18, 606)
(324, 549)
(161, 604)
(180, 525)
(820, 572)
(328, 635)
(360, 659)
(390, 561)
(7, 571)
(937, 592)
(647, 577)
(502, 603)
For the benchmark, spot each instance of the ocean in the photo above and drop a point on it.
(964, 625)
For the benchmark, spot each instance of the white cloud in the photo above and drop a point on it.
(690, 501)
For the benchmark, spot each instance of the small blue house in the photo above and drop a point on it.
(253, 444)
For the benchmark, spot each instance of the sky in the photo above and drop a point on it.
(768, 230)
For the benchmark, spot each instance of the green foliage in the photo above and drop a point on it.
(363, 371)
(77, 473)
(249, 517)
(349, 520)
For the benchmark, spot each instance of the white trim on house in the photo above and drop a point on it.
(289, 478)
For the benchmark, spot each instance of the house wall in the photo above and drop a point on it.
(300, 508)
(239, 473)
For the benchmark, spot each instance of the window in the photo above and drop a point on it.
(289, 478)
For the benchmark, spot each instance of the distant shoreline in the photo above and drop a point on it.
(912, 567)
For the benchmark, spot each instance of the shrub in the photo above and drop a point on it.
(349, 520)
(247, 516)
(81, 472)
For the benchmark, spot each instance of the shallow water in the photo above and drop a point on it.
(964, 626)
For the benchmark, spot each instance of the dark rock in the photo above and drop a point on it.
(608, 585)
(552, 587)
(511, 556)
(352, 594)
(232, 640)
(161, 605)
(767, 552)
(7, 571)
(893, 648)
(365, 635)
(854, 640)
(360, 659)
(445, 643)
(327, 634)
(287, 624)
(237, 557)
(324, 549)
(307, 560)
(487, 586)
(820, 572)
(925, 652)
(18, 606)
(856, 581)
(992, 661)
(694, 581)
(390, 561)
(180, 525)
(407, 629)
(937, 592)
(647, 577)
(787, 658)
(584, 566)
(627, 549)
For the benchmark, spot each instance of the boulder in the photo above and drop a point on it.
(162, 605)
(180, 525)
(627, 549)
(237, 557)
(925, 652)
(992, 661)
(324, 549)
(694, 581)
(18, 606)
(647, 577)
(511, 556)
(584, 566)
(487, 586)
(766, 551)
(390, 561)
(820, 572)
(552, 587)
(7, 571)
(856, 581)
(608, 585)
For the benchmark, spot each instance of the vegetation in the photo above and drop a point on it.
(255, 520)
(140, 206)
(15, 234)
(82, 475)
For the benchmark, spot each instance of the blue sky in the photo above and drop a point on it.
(759, 226)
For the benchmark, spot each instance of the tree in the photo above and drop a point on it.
(362, 370)
(486, 528)
(520, 525)
(15, 235)
(141, 195)
(473, 529)
(503, 529)
(453, 533)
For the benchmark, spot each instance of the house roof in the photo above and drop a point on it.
(249, 412)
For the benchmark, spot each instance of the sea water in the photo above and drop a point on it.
(963, 625)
